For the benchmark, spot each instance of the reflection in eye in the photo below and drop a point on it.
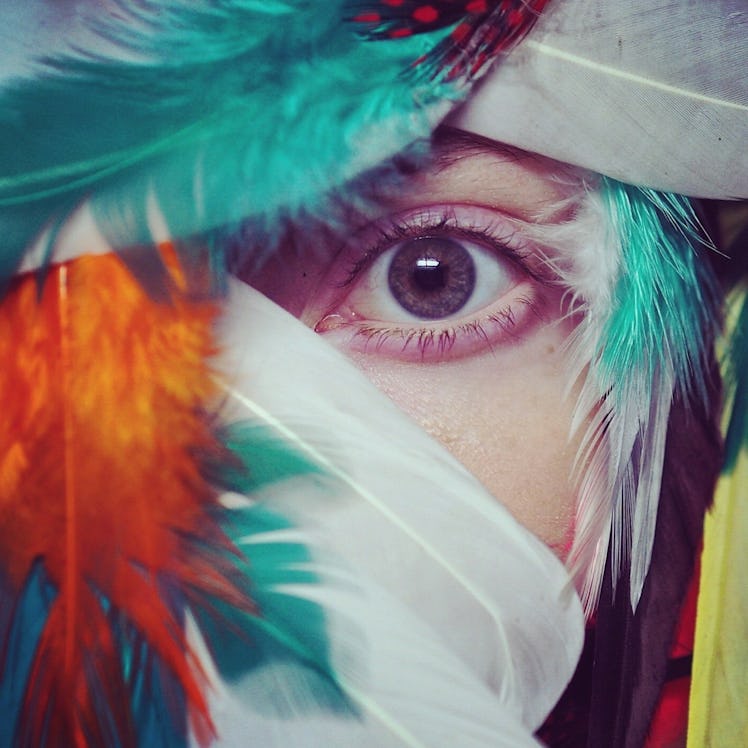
(433, 285)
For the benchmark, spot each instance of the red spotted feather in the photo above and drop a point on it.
(482, 30)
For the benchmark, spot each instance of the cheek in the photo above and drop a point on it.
(506, 418)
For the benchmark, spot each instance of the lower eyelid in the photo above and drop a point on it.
(501, 324)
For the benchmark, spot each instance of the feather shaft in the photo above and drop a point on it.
(641, 80)
(71, 560)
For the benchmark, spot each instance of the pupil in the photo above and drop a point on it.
(431, 277)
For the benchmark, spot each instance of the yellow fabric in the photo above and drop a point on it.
(718, 713)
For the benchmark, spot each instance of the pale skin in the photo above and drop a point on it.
(488, 381)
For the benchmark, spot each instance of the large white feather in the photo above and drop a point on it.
(449, 586)
(651, 93)
(412, 691)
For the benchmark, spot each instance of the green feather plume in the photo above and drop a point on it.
(218, 110)
(644, 339)
(666, 298)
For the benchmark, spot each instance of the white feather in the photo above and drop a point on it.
(651, 460)
(618, 466)
(650, 93)
(623, 423)
(585, 254)
(414, 692)
(470, 585)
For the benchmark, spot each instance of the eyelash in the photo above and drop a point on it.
(445, 337)
(445, 224)
(437, 341)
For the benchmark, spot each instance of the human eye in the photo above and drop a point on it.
(434, 284)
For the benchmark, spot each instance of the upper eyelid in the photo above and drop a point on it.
(445, 219)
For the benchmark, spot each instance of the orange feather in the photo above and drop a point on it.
(103, 425)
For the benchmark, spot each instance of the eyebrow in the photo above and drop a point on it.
(451, 153)
(450, 145)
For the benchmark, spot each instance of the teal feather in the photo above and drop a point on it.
(272, 556)
(287, 629)
(192, 112)
(261, 458)
(666, 298)
(643, 342)
(22, 620)
(157, 702)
